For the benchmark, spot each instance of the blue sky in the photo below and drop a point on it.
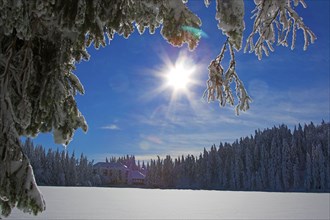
(128, 113)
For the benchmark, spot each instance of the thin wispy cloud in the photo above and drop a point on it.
(154, 139)
(149, 141)
(292, 107)
(111, 127)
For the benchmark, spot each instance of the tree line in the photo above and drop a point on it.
(58, 168)
(275, 159)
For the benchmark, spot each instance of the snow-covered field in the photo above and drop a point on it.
(125, 203)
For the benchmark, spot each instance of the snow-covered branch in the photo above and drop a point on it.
(276, 17)
(219, 83)
(230, 15)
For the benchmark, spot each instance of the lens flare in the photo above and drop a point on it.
(198, 33)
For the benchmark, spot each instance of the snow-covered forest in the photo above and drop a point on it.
(58, 168)
(275, 159)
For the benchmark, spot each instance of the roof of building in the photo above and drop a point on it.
(137, 175)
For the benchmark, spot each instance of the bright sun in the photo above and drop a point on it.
(179, 77)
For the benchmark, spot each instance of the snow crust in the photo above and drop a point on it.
(125, 203)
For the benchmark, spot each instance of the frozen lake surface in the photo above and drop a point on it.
(125, 203)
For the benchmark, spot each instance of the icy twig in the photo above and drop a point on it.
(219, 83)
(276, 17)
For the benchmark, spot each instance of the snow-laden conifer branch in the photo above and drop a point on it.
(219, 83)
(176, 15)
(18, 186)
(276, 17)
(230, 15)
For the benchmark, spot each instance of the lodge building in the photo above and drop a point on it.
(116, 173)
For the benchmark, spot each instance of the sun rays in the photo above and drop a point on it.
(178, 77)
